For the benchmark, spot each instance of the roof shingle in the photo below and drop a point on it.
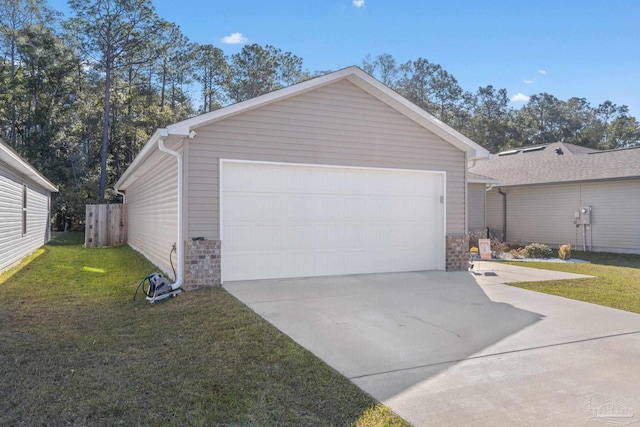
(559, 162)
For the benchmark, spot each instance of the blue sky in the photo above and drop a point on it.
(587, 48)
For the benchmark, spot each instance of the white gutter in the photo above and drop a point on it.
(180, 243)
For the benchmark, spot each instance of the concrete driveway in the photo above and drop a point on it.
(456, 348)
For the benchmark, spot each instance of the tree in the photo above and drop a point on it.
(489, 121)
(579, 123)
(383, 67)
(212, 72)
(432, 88)
(115, 33)
(15, 16)
(257, 70)
(618, 128)
(544, 119)
(623, 131)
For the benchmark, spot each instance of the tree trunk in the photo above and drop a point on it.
(105, 131)
(14, 116)
(128, 154)
(164, 82)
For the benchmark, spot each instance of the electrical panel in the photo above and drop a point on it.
(583, 217)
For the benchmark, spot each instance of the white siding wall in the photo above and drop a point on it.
(545, 214)
(152, 212)
(476, 206)
(338, 124)
(13, 244)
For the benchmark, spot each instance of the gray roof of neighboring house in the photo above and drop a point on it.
(559, 162)
(475, 178)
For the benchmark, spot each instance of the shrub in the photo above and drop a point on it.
(519, 253)
(539, 250)
(564, 252)
(499, 247)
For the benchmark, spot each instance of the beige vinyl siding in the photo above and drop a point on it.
(615, 214)
(493, 210)
(338, 124)
(545, 214)
(476, 206)
(14, 245)
(542, 213)
(152, 212)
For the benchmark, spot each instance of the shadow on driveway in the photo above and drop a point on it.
(368, 325)
(454, 348)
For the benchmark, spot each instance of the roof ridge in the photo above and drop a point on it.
(611, 150)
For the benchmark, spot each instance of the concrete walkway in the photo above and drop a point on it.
(441, 348)
(492, 273)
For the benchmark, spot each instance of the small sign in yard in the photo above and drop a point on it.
(485, 248)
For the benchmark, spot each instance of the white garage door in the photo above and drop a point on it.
(288, 220)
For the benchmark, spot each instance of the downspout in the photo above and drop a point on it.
(180, 243)
(504, 213)
(120, 193)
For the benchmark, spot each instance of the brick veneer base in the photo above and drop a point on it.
(457, 252)
(202, 260)
(202, 264)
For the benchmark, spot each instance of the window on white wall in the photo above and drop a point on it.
(24, 209)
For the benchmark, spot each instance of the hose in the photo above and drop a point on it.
(141, 285)
(173, 249)
(147, 292)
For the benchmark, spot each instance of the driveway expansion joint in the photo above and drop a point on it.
(501, 353)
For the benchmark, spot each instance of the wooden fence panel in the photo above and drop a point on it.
(105, 225)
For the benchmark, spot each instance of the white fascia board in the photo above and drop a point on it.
(17, 163)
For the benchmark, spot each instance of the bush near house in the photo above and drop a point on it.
(538, 250)
(498, 246)
(519, 253)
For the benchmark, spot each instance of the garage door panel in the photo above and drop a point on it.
(296, 220)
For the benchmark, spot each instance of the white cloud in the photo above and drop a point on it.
(235, 38)
(519, 97)
(528, 82)
(543, 72)
(358, 3)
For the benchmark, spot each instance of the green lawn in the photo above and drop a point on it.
(617, 281)
(76, 350)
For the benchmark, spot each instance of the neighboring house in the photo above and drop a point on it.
(543, 188)
(25, 208)
(335, 175)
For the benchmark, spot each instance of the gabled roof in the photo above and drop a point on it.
(352, 74)
(17, 163)
(356, 76)
(559, 162)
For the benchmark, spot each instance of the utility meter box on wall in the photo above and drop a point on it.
(584, 217)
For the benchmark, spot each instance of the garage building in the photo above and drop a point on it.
(336, 175)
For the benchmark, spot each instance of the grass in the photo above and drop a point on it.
(616, 283)
(76, 350)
